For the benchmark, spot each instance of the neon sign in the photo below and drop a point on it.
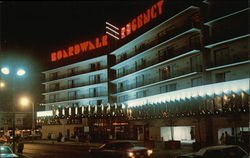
(142, 19)
(80, 48)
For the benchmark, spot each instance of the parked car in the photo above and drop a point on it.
(6, 152)
(121, 149)
(221, 151)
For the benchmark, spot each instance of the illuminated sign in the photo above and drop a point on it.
(142, 19)
(80, 48)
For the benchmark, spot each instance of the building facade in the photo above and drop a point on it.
(185, 79)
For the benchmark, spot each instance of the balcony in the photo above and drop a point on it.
(74, 74)
(168, 35)
(87, 96)
(74, 86)
(234, 59)
(169, 55)
(154, 80)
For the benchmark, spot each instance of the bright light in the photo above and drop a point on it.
(24, 101)
(20, 72)
(2, 84)
(149, 152)
(5, 70)
(130, 154)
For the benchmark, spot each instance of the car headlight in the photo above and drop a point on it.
(130, 154)
(149, 152)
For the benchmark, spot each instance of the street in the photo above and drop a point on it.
(55, 151)
(39, 150)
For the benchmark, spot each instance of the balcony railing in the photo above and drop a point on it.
(76, 98)
(74, 86)
(163, 58)
(74, 74)
(153, 80)
(235, 59)
(170, 34)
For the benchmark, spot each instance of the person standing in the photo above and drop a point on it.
(20, 146)
(222, 138)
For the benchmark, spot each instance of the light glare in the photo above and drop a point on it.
(24, 101)
(20, 72)
(2, 84)
(5, 70)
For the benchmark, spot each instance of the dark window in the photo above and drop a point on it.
(164, 89)
(196, 82)
(172, 87)
(222, 77)
(220, 55)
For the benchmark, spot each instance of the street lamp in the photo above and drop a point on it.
(26, 101)
(19, 73)
(2, 84)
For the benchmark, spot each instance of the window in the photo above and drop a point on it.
(123, 56)
(140, 80)
(141, 94)
(54, 76)
(164, 89)
(95, 66)
(73, 83)
(172, 87)
(94, 92)
(94, 79)
(140, 64)
(122, 86)
(166, 53)
(194, 42)
(121, 71)
(196, 82)
(53, 97)
(196, 63)
(164, 73)
(123, 98)
(72, 95)
(72, 71)
(222, 77)
(220, 55)
(54, 86)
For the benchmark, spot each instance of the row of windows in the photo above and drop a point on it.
(73, 71)
(93, 92)
(219, 77)
(93, 79)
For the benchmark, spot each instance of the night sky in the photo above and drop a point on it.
(29, 31)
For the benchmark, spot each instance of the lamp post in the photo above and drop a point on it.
(25, 101)
(18, 73)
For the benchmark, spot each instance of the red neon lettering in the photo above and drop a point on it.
(134, 26)
(128, 29)
(84, 46)
(77, 49)
(139, 21)
(159, 4)
(91, 46)
(105, 40)
(53, 56)
(97, 43)
(123, 35)
(71, 50)
(153, 12)
(65, 54)
(59, 55)
(146, 17)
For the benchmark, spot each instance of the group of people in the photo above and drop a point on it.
(225, 138)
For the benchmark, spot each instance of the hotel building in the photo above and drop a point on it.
(186, 79)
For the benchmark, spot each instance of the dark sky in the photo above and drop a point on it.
(29, 30)
(37, 28)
